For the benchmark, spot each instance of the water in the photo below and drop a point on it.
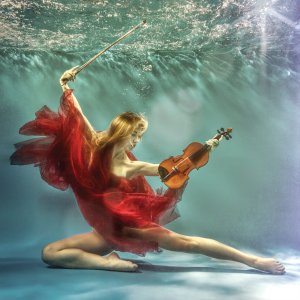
(195, 66)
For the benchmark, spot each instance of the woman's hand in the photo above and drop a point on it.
(68, 75)
(213, 143)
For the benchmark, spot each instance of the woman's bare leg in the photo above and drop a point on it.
(176, 242)
(84, 251)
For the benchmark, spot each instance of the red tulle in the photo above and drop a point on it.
(67, 156)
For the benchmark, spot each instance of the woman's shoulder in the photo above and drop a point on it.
(97, 137)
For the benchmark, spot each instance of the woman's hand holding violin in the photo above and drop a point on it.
(213, 143)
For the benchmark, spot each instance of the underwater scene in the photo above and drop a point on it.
(192, 68)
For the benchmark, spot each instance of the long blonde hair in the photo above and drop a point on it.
(121, 127)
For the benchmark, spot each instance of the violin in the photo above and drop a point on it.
(174, 171)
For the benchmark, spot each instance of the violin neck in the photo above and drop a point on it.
(195, 157)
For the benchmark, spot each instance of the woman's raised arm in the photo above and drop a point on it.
(70, 75)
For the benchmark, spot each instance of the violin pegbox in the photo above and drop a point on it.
(225, 133)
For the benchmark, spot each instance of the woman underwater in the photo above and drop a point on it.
(111, 191)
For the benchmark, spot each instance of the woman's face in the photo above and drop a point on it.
(134, 138)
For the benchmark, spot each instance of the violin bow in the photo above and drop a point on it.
(80, 68)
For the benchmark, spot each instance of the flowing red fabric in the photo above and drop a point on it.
(67, 156)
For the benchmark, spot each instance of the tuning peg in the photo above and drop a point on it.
(222, 129)
(226, 137)
(229, 136)
(219, 132)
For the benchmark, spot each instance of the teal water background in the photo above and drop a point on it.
(195, 67)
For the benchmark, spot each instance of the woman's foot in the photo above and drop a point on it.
(115, 263)
(269, 265)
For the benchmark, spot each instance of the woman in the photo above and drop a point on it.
(109, 184)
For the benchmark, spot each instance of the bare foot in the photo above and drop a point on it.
(115, 263)
(269, 265)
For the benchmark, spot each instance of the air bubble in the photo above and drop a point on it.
(147, 68)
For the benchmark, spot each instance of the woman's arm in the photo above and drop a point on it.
(143, 168)
(70, 75)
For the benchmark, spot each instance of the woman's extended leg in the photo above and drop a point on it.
(84, 251)
(190, 244)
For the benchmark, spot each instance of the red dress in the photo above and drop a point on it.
(67, 156)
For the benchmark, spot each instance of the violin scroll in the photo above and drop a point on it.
(225, 133)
